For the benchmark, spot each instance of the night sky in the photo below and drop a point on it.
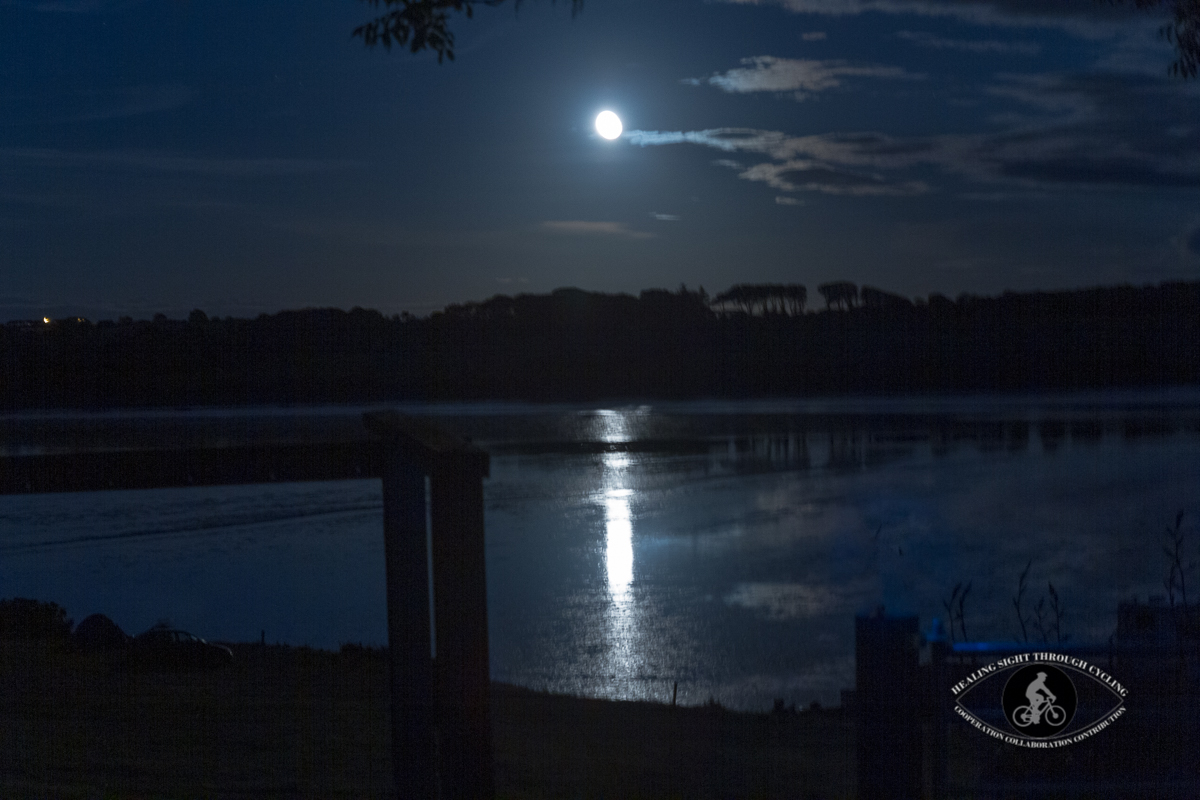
(252, 157)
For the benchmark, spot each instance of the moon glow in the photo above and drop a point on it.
(608, 125)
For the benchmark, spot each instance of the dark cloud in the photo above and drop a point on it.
(81, 105)
(1080, 170)
(1193, 241)
(792, 176)
(924, 39)
(165, 162)
(74, 6)
(593, 228)
(1077, 15)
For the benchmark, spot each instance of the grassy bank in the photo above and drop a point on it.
(294, 723)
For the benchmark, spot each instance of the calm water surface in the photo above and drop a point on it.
(724, 545)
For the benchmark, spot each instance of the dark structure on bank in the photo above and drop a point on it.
(911, 742)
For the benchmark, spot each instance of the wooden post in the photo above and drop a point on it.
(888, 724)
(408, 628)
(461, 672)
(941, 698)
(441, 726)
(456, 763)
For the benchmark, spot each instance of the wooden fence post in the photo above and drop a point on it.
(441, 725)
(461, 670)
(442, 736)
(408, 628)
(940, 697)
(887, 697)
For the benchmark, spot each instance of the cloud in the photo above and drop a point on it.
(802, 76)
(729, 162)
(924, 39)
(788, 201)
(1080, 168)
(792, 176)
(1083, 18)
(136, 100)
(665, 217)
(813, 36)
(92, 105)
(1191, 242)
(865, 149)
(1081, 131)
(584, 228)
(74, 6)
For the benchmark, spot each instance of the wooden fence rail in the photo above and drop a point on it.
(433, 530)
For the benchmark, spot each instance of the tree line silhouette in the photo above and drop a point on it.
(751, 340)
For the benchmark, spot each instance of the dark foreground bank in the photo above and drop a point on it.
(286, 722)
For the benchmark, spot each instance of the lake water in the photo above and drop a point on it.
(727, 549)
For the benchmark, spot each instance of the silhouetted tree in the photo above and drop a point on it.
(765, 298)
(424, 24)
(421, 24)
(839, 293)
(877, 298)
(574, 344)
(1183, 31)
(22, 618)
(796, 297)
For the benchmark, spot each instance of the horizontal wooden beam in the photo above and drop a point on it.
(426, 443)
(422, 442)
(98, 470)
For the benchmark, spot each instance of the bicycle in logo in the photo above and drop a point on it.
(1024, 716)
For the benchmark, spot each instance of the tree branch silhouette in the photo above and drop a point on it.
(1183, 31)
(424, 24)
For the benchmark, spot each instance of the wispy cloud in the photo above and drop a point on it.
(1188, 241)
(813, 36)
(587, 228)
(74, 6)
(88, 105)
(165, 162)
(1079, 131)
(784, 200)
(665, 217)
(800, 76)
(796, 175)
(863, 149)
(924, 39)
(1081, 18)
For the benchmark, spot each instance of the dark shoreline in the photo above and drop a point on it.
(292, 722)
(573, 345)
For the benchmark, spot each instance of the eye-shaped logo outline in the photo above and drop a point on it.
(1007, 669)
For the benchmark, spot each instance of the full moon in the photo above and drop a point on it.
(608, 125)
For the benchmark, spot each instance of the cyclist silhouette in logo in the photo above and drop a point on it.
(1041, 699)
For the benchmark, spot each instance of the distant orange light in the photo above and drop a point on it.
(46, 320)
